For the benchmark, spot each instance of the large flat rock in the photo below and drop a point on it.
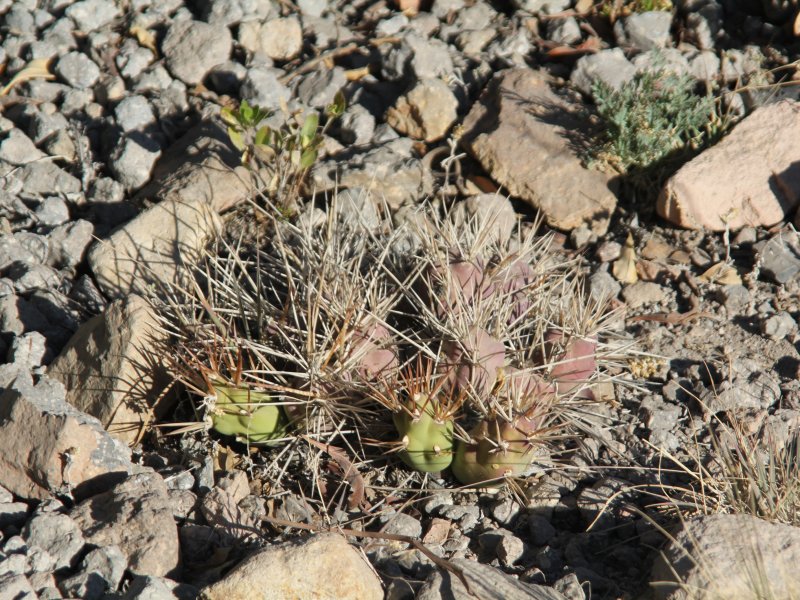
(749, 179)
(110, 368)
(526, 136)
(729, 556)
(324, 567)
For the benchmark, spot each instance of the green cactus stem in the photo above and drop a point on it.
(247, 414)
(497, 450)
(427, 438)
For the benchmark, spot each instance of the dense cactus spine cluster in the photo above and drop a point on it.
(466, 343)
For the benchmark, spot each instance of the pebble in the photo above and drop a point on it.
(319, 88)
(133, 160)
(644, 30)
(134, 113)
(52, 211)
(281, 39)
(610, 67)
(735, 298)
(261, 87)
(89, 15)
(778, 326)
(78, 70)
(510, 549)
(642, 293)
(193, 48)
(18, 149)
(58, 535)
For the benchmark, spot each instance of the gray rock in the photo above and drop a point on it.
(89, 15)
(231, 12)
(544, 6)
(735, 298)
(18, 149)
(356, 126)
(607, 66)
(193, 48)
(644, 31)
(643, 292)
(136, 516)
(44, 178)
(15, 564)
(728, 556)
(747, 387)
(467, 516)
(13, 513)
(58, 535)
(391, 26)
(603, 285)
(704, 25)
(5, 495)
(20, 20)
(570, 587)
(154, 78)
(402, 524)
(132, 59)
(52, 211)
(280, 39)
(262, 88)
(133, 160)
(28, 350)
(484, 582)
(12, 251)
(78, 70)
(780, 257)
(16, 587)
(564, 31)
(28, 277)
(319, 87)
(510, 549)
(704, 65)
(778, 326)
(386, 171)
(313, 8)
(597, 502)
(663, 59)
(512, 50)
(44, 125)
(101, 571)
(68, 243)
(134, 113)
(418, 58)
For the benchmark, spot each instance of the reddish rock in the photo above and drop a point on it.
(750, 178)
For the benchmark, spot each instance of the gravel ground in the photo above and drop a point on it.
(113, 156)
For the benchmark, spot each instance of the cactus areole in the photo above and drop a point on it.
(427, 440)
(249, 415)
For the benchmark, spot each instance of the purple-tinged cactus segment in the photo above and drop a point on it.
(375, 359)
(574, 366)
(513, 282)
(473, 363)
(460, 280)
(528, 392)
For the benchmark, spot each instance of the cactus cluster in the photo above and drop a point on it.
(454, 341)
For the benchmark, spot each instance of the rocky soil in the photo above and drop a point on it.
(116, 171)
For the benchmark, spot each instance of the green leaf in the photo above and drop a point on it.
(247, 113)
(229, 117)
(308, 158)
(338, 106)
(262, 136)
(236, 138)
(309, 130)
